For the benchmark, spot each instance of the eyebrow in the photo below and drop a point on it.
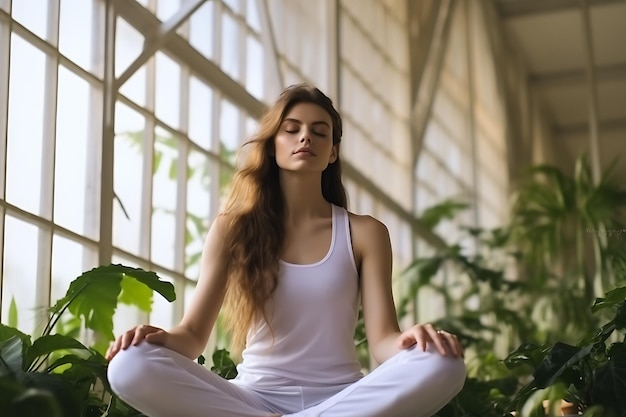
(319, 122)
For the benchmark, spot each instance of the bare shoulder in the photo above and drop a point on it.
(369, 236)
(221, 223)
(367, 226)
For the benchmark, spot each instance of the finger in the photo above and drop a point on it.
(420, 336)
(141, 332)
(437, 339)
(452, 343)
(109, 353)
(458, 346)
(127, 338)
(114, 347)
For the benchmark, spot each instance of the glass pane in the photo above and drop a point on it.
(254, 72)
(77, 39)
(230, 46)
(72, 181)
(201, 29)
(162, 314)
(252, 15)
(234, 5)
(69, 260)
(128, 45)
(20, 273)
(200, 113)
(135, 87)
(167, 90)
(201, 172)
(230, 136)
(251, 126)
(166, 8)
(166, 166)
(129, 162)
(33, 14)
(25, 125)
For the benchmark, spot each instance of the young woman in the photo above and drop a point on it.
(290, 264)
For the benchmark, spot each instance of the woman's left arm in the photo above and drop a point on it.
(381, 324)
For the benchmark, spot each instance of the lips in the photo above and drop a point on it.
(307, 151)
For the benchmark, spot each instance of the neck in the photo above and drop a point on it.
(303, 197)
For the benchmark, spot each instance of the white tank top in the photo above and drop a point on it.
(313, 314)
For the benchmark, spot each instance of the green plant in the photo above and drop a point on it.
(56, 375)
(568, 229)
(590, 374)
(479, 299)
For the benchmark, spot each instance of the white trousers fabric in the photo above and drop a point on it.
(162, 383)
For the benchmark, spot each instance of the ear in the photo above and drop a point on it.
(333, 154)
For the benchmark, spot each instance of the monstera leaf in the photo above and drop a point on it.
(94, 295)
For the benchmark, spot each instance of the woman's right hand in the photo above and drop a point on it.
(136, 335)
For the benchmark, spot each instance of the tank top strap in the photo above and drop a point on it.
(343, 239)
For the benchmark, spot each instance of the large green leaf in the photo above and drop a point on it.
(526, 354)
(48, 344)
(136, 293)
(223, 365)
(611, 299)
(610, 381)
(83, 372)
(558, 365)
(11, 358)
(94, 299)
(7, 332)
(94, 295)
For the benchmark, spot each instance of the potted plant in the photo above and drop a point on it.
(56, 375)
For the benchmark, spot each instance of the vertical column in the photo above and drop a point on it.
(5, 62)
(594, 135)
(44, 244)
(94, 144)
(471, 128)
(181, 195)
(108, 136)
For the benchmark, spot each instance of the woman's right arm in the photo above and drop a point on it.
(191, 335)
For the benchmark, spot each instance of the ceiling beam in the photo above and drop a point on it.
(146, 22)
(578, 76)
(518, 8)
(430, 70)
(158, 38)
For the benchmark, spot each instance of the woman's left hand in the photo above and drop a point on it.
(422, 334)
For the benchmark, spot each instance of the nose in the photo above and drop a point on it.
(306, 136)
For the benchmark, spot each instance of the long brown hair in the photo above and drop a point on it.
(255, 208)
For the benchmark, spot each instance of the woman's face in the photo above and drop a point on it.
(304, 141)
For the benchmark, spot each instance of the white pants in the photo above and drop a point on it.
(162, 383)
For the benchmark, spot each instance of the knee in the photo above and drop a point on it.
(130, 371)
(449, 373)
(446, 372)
(454, 372)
